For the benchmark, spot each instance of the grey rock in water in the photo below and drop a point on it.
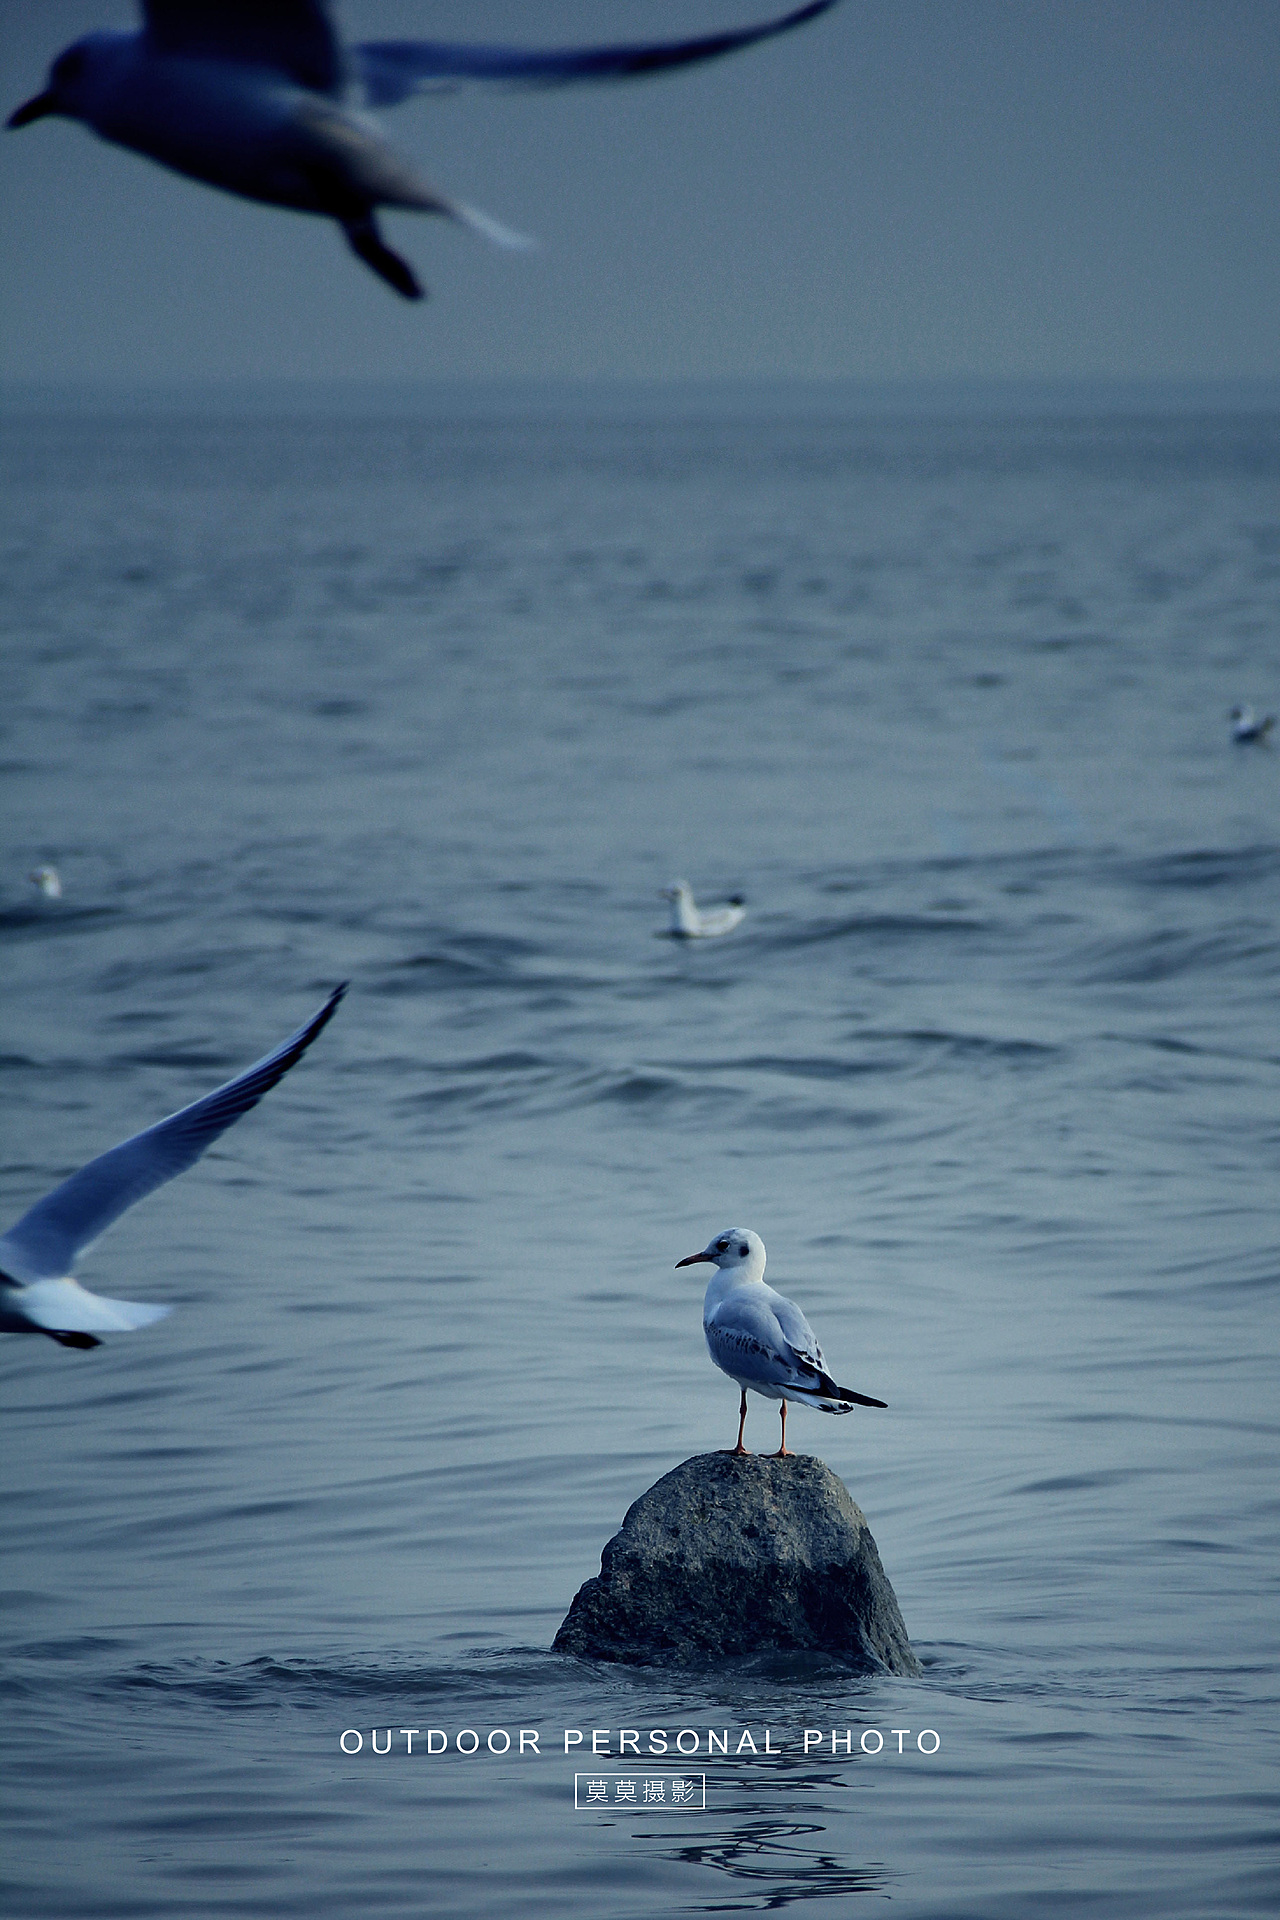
(738, 1554)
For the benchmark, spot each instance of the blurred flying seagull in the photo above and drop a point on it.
(1247, 728)
(760, 1338)
(48, 880)
(252, 96)
(691, 922)
(37, 1293)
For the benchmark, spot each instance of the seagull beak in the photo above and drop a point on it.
(694, 1259)
(34, 109)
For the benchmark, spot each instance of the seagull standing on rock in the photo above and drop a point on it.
(249, 96)
(760, 1338)
(37, 1293)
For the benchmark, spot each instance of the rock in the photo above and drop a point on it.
(736, 1554)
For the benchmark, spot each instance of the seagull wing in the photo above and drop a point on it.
(393, 69)
(764, 1337)
(748, 1341)
(718, 920)
(810, 1363)
(64, 1306)
(45, 1242)
(295, 37)
(797, 1332)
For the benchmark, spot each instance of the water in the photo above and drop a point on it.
(437, 701)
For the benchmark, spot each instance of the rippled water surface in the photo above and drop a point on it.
(437, 702)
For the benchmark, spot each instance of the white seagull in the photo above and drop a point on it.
(691, 922)
(37, 1293)
(760, 1338)
(48, 880)
(252, 96)
(1246, 728)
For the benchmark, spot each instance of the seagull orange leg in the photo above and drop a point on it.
(782, 1452)
(742, 1421)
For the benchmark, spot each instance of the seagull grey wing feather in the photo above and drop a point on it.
(295, 37)
(748, 1333)
(46, 1240)
(391, 70)
(747, 1352)
(768, 1339)
(799, 1335)
(811, 1364)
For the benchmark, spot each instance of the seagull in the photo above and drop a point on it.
(689, 922)
(253, 96)
(760, 1338)
(1246, 728)
(37, 1293)
(48, 880)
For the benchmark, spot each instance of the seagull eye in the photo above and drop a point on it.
(721, 1246)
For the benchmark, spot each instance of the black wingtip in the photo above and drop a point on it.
(833, 1392)
(328, 1010)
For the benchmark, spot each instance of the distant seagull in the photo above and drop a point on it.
(37, 1294)
(760, 1338)
(249, 95)
(48, 880)
(1247, 729)
(689, 922)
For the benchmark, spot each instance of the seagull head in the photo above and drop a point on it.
(736, 1251)
(75, 79)
(678, 890)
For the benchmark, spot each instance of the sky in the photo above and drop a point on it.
(904, 190)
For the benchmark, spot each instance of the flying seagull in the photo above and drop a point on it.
(691, 922)
(37, 1293)
(760, 1338)
(256, 97)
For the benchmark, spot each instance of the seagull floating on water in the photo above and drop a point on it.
(1246, 727)
(37, 1293)
(760, 1338)
(690, 922)
(251, 96)
(48, 880)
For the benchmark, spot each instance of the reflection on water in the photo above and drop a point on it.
(774, 1864)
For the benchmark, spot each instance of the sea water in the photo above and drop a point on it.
(436, 696)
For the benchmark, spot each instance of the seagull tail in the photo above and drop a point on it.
(845, 1396)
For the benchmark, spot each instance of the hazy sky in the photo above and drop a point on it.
(908, 188)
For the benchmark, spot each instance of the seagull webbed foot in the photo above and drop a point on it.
(368, 244)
